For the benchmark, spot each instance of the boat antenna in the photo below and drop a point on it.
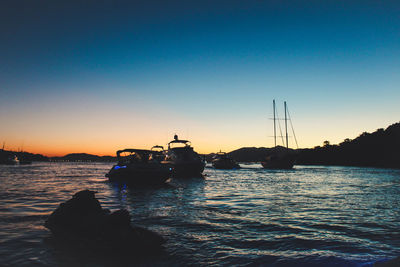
(291, 125)
(273, 104)
(4, 143)
(287, 139)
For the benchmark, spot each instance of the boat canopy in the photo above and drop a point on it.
(178, 141)
(129, 150)
(157, 147)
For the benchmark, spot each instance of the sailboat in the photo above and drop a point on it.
(281, 157)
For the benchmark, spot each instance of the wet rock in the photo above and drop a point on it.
(82, 219)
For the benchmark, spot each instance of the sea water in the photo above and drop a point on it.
(308, 216)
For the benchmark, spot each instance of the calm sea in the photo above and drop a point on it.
(309, 216)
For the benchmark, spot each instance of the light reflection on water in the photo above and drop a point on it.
(314, 215)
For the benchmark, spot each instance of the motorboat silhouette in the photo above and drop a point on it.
(222, 161)
(185, 161)
(138, 166)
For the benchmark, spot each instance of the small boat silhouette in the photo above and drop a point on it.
(222, 161)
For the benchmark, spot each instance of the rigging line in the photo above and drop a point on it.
(287, 139)
(274, 123)
(291, 125)
(280, 129)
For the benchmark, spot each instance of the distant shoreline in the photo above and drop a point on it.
(378, 149)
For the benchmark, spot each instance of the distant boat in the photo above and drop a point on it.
(24, 162)
(185, 161)
(222, 161)
(10, 160)
(23, 159)
(281, 157)
(139, 167)
(8, 157)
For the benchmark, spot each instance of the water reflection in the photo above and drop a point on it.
(306, 216)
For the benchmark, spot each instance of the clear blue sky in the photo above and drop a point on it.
(101, 75)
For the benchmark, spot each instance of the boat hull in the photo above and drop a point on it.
(140, 175)
(284, 162)
(225, 164)
(188, 169)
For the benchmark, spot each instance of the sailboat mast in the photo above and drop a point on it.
(273, 104)
(287, 139)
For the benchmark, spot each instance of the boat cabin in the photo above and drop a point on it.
(176, 143)
(127, 156)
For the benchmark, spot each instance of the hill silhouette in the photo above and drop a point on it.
(84, 157)
(377, 149)
(254, 154)
(5, 154)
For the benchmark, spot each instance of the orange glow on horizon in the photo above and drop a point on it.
(58, 134)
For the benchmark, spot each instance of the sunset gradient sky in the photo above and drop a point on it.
(105, 75)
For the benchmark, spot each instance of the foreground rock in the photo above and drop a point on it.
(82, 220)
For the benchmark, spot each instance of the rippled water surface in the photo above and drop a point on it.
(309, 216)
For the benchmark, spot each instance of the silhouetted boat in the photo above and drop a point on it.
(138, 166)
(7, 159)
(185, 161)
(222, 161)
(23, 159)
(24, 162)
(280, 158)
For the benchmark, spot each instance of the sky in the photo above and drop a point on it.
(98, 76)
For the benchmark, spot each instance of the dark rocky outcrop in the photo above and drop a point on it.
(82, 220)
